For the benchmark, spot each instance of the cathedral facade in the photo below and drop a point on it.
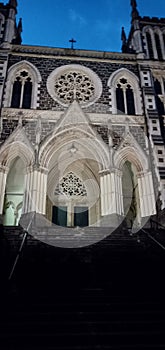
(82, 132)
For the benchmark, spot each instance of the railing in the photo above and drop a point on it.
(150, 236)
(158, 224)
(20, 249)
(153, 239)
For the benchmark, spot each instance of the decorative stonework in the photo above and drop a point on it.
(74, 82)
(125, 78)
(23, 70)
(71, 185)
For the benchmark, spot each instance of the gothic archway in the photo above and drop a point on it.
(131, 203)
(14, 193)
(83, 154)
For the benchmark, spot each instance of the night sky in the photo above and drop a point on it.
(95, 24)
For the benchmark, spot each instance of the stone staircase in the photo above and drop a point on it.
(90, 319)
(106, 296)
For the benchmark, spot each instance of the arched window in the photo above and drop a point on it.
(125, 97)
(125, 93)
(158, 46)
(22, 91)
(120, 98)
(130, 100)
(149, 44)
(22, 86)
(164, 40)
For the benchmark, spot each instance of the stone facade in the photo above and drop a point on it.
(97, 115)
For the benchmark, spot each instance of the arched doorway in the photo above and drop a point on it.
(14, 193)
(131, 201)
(73, 198)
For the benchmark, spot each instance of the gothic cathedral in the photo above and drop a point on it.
(82, 132)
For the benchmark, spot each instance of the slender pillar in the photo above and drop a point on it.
(3, 177)
(35, 191)
(111, 192)
(146, 193)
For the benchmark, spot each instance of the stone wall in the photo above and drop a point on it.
(47, 65)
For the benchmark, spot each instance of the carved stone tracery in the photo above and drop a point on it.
(74, 82)
(71, 185)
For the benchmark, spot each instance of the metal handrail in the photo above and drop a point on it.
(20, 249)
(158, 223)
(18, 256)
(153, 239)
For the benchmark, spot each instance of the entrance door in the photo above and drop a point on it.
(81, 216)
(59, 216)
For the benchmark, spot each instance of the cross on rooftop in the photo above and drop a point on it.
(72, 41)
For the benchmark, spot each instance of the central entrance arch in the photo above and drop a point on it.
(74, 199)
(74, 159)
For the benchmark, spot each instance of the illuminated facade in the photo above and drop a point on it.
(82, 132)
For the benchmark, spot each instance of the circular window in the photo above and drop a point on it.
(74, 82)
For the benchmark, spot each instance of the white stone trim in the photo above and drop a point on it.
(3, 177)
(35, 191)
(146, 194)
(111, 193)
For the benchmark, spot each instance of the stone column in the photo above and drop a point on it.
(111, 192)
(146, 194)
(35, 191)
(3, 177)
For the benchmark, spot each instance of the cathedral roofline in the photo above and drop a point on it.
(49, 51)
(152, 19)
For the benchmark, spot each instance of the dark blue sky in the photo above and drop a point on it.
(95, 24)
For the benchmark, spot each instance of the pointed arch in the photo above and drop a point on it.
(22, 86)
(16, 149)
(132, 154)
(149, 40)
(87, 145)
(14, 192)
(131, 151)
(158, 42)
(128, 84)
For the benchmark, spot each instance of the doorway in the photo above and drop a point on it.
(79, 216)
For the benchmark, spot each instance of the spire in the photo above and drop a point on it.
(13, 3)
(18, 38)
(135, 13)
(124, 40)
(19, 28)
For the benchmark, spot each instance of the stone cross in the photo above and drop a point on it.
(72, 41)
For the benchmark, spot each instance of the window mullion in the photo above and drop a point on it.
(125, 100)
(22, 92)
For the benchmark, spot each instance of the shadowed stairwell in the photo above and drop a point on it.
(106, 296)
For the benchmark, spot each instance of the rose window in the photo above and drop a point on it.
(71, 185)
(74, 86)
(74, 82)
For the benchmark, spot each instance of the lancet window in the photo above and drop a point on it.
(22, 90)
(125, 97)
